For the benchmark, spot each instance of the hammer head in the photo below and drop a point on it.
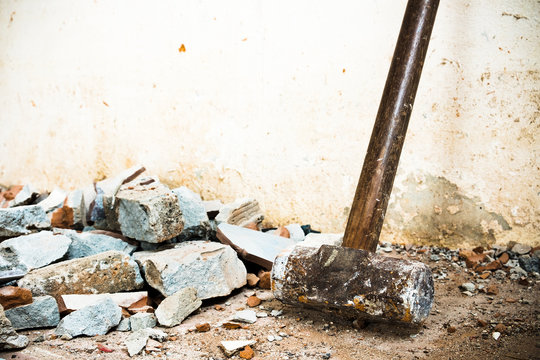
(354, 282)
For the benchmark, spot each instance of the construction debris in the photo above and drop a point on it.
(175, 308)
(42, 312)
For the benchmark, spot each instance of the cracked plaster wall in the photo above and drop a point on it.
(277, 100)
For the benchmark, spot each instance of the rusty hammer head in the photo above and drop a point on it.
(354, 282)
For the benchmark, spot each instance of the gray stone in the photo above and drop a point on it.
(240, 212)
(211, 268)
(142, 321)
(138, 339)
(529, 263)
(175, 308)
(245, 316)
(232, 347)
(37, 250)
(521, 249)
(108, 272)
(276, 313)
(42, 312)
(148, 212)
(468, 287)
(124, 325)
(91, 320)
(107, 189)
(518, 270)
(23, 220)
(196, 223)
(88, 243)
(9, 339)
(25, 197)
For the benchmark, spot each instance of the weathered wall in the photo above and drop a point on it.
(277, 100)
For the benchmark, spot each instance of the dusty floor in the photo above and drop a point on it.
(313, 335)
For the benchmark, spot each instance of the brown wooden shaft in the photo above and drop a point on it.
(371, 199)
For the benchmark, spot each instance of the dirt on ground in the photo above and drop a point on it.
(459, 327)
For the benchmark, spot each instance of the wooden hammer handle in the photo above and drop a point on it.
(371, 199)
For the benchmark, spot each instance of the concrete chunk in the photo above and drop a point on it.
(138, 339)
(196, 223)
(91, 320)
(142, 321)
(148, 211)
(25, 197)
(9, 339)
(107, 272)
(37, 250)
(42, 312)
(240, 212)
(232, 347)
(175, 308)
(211, 268)
(89, 243)
(74, 302)
(23, 220)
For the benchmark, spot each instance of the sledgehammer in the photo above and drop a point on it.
(352, 279)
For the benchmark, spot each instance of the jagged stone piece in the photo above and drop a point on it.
(240, 212)
(89, 243)
(23, 220)
(355, 282)
(107, 272)
(211, 268)
(138, 339)
(25, 197)
(12, 296)
(42, 312)
(91, 320)
(148, 211)
(142, 321)
(175, 308)
(9, 339)
(196, 223)
(37, 250)
(54, 201)
(107, 189)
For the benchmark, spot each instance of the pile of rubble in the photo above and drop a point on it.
(126, 254)
(129, 254)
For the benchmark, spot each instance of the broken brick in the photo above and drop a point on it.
(252, 279)
(472, 258)
(283, 232)
(494, 265)
(247, 353)
(12, 296)
(492, 289)
(264, 279)
(253, 301)
(203, 327)
(504, 258)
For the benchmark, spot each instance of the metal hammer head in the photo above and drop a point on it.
(355, 282)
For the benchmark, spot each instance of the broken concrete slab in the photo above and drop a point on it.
(245, 316)
(91, 320)
(148, 211)
(240, 212)
(89, 243)
(196, 222)
(142, 320)
(9, 339)
(232, 347)
(36, 250)
(254, 246)
(74, 302)
(138, 339)
(111, 271)
(107, 189)
(12, 296)
(212, 268)
(23, 220)
(175, 308)
(124, 325)
(42, 312)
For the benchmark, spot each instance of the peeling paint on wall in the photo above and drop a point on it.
(431, 209)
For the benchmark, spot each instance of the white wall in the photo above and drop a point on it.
(276, 99)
